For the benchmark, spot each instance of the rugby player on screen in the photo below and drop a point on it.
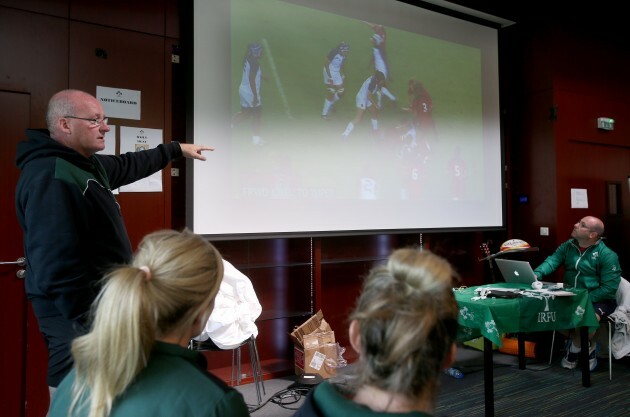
(367, 100)
(249, 91)
(334, 76)
(379, 58)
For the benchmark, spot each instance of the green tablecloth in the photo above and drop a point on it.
(530, 312)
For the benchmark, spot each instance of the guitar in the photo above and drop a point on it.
(485, 251)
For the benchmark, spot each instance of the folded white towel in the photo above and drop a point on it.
(236, 309)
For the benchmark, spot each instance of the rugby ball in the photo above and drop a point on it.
(513, 244)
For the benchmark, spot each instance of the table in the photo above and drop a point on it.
(531, 312)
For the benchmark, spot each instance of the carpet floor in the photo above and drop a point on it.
(539, 390)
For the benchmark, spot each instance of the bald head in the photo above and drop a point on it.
(588, 230)
(64, 103)
(75, 119)
(595, 224)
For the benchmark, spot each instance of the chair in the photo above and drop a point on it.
(618, 319)
(236, 374)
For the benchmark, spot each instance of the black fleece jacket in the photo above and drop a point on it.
(73, 230)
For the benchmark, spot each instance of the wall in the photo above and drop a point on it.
(565, 75)
(51, 46)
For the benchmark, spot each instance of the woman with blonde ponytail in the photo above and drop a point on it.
(134, 360)
(403, 328)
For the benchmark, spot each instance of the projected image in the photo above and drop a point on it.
(377, 111)
(345, 115)
(249, 92)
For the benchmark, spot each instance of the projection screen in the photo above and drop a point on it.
(302, 150)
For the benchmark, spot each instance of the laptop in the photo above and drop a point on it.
(520, 272)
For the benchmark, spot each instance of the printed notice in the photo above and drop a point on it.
(579, 198)
(139, 139)
(119, 102)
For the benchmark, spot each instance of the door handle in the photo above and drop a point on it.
(20, 262)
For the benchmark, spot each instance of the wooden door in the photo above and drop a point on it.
(22, 345)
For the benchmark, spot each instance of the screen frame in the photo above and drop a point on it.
(187, 61)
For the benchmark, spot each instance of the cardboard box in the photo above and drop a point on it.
(315, 349)
(308, 327)
(320, 360)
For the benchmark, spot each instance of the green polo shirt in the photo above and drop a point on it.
(174, 383)
(331, 402)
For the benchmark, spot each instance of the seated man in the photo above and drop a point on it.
(590, 264)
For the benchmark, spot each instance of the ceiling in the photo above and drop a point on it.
(507, 9)
(605, 16)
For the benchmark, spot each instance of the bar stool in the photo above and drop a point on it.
(236, 374)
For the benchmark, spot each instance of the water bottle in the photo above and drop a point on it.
(454, 372)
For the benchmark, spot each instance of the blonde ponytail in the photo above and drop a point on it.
(172, 276)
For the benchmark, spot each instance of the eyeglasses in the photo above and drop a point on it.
(584, 226)
(93, 122)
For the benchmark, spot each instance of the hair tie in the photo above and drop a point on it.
(147, 272)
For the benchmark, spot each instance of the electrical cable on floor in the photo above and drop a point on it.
(285, 397)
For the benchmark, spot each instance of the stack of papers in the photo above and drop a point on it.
(554, 291)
